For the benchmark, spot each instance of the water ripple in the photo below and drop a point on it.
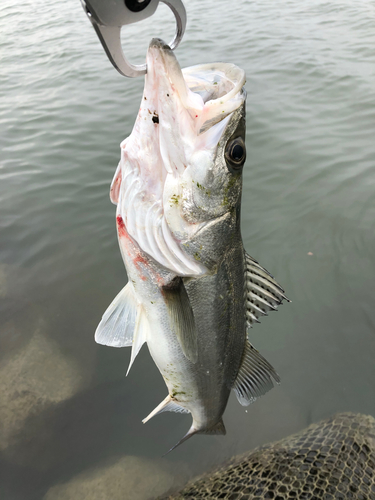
(308, 209)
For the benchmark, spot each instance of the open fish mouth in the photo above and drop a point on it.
(182, 117)
(208, 92)
(196, 97)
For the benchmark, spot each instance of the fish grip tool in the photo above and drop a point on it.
(109, 16)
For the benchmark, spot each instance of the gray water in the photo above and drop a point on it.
(70, 422)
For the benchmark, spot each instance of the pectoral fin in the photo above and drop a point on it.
(117, 325)
(255, 376)
(182, 318)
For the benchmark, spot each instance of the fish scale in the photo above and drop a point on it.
(178, 194)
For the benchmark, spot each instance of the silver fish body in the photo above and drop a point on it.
(192, 291)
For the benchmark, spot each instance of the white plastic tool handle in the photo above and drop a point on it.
(108, 17)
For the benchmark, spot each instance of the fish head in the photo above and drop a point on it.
(187, 150)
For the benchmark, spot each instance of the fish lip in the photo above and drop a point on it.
(183, 77)
(158, 43)
(164, 73)
(205, 94)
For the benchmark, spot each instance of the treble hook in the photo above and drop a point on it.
(108, 17)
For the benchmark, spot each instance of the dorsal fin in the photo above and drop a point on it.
(262, 294)
(254, 377)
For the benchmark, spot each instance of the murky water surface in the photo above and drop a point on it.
(70, 423)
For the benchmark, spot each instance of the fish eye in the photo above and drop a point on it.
(236, 153)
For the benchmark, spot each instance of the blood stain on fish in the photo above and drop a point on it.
(138, 259)
(121, 227)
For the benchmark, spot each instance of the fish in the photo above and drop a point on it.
(193, 291)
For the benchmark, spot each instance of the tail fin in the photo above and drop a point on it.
(219, 428)
(188, 435)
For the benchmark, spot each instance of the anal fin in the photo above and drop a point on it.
(168, 404)
(255, 376)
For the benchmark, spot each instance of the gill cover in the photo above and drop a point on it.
(182, 113)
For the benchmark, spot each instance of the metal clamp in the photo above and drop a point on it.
(108, 17)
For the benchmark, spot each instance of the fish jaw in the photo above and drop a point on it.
(175, 129)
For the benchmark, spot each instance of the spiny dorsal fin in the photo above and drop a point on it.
(168, 404)
(117, 325)
(182, 318)
(262, 293)
(255, 376)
